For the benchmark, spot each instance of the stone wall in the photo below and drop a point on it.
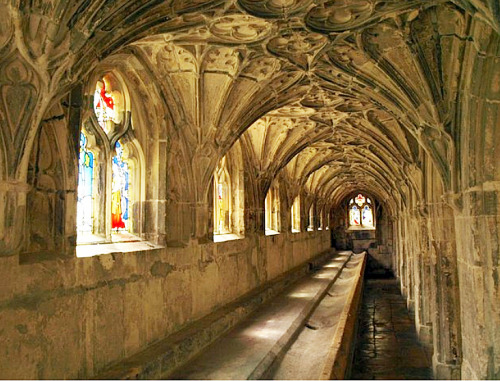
(71, 318)
(400, 100)
(378, 243)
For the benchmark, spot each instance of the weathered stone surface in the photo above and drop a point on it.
(320, 100)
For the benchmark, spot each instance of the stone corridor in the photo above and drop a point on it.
(168, 167)
(387, 346)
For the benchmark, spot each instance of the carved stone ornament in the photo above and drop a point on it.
(18, 95)
(240, 29)
(297, 45)
(340, 15)
(337, 16)
(175, 58)
(274, 8)
(222, 59)
(292, 111)
(261, 68)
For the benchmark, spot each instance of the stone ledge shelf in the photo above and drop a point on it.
(323, 349)
(162, 358)
(255, 348)
(84, 251)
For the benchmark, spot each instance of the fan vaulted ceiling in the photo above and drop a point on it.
(340, 94)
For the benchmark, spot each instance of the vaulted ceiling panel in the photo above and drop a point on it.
(358, 87)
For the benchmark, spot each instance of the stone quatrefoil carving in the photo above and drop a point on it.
(297, 45)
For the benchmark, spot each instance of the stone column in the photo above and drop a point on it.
(424, 311)
(419, 279)
(479, 273)
(445, 293)
(12, 216)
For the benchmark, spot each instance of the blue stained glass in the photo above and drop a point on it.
(367, 216)
(120, 191)
(85, 197)
(354, 215)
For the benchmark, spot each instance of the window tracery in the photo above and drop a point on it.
(109, 173)
(361, 213)
(108, 104)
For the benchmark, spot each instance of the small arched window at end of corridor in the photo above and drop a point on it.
(361, 213)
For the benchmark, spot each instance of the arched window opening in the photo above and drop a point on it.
(296, 215)
(110, 170)
(361, 213)
(310, 220)
(272, 212)
(222, 199)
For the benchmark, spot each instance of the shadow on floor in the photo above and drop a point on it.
(387, 346)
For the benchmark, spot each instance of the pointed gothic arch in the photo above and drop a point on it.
(110, 191)
(361, 212)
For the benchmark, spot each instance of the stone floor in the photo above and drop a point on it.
(387, 346)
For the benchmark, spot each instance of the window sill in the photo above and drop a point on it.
(85, 251)
(226, 237)
(116, 237)
(272, 232)
(89, 239)
(357, 228)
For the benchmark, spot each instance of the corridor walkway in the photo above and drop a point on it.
(387, 346)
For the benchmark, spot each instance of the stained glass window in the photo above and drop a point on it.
(272, 209)
(367, 216)
(295, 215)
(354, 216)
(361, 212)
(120, 201)
(222, 199)
(85, 198)
(104, 105)
(310, 223)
